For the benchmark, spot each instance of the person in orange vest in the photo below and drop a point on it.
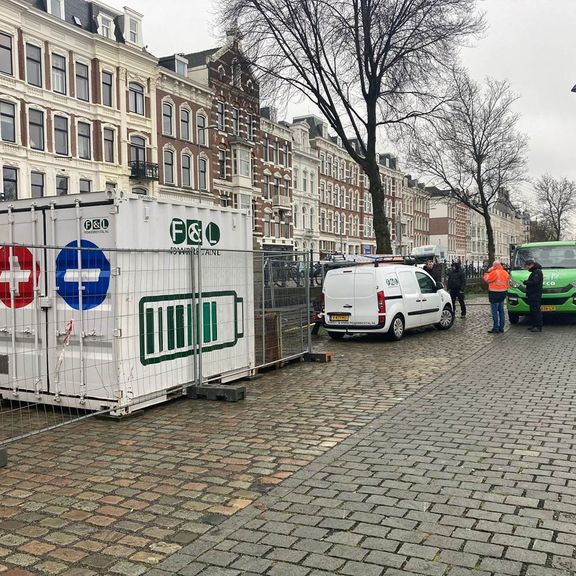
(498, 281)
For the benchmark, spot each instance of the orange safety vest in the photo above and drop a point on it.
(497, 279)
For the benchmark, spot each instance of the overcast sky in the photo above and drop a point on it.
(531, 43)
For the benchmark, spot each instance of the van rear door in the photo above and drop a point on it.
(365, 311)
(338, 296)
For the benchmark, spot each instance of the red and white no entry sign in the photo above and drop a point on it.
(16, 272)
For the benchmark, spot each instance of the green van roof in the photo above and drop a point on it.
(543, 244)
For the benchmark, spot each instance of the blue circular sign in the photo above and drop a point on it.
(92, 276)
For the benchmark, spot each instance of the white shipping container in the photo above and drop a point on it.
(160, 294)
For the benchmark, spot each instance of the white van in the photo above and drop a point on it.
(380, 298)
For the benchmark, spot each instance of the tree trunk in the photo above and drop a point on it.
(490, 235)
(381, 229)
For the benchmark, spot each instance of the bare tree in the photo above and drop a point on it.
(540, 231)
(473, 148)
(556, 204)
(365, 64)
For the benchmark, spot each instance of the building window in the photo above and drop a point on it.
(85, 186)
(250, 127)
(236, 74)
(265, 149)
(221, 116)
(56, 8)
(105, 26)
(61, 135)
(186, 170)
(36, 129)
(37, 184)
(201, 129)
(61, 185)
(34, 65)
(6, 54)
(266, 186)
(84, 141)
(202, 174)
(242, 162)
(134, 32)
(236, 121)
(59, 74)
(108, 145)
(167, 113)
(305, 181)
(82, 82)
(222, 163)
(137, 149)
(276, 186)
(107, 89)
(185, 124)
(287, 155)
(181, 67)
(9, 184)
(136, 98)
(7, 122)
(168, 167)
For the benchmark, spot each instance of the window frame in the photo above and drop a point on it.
(110, 86)
(41, 127)
(50, 9)
(84, 137)
(42, 185)
(80, 181)
(14, 121)
(137, 97)
(10, 50)
(185, 112)
(202, 174)
(59, 73)
(61, 131)
(222, 158)
(236, 121)
(186, 182)
(201, 140)
(60, 178)
(105, 143)
(80, 80)
(133, 147)
(221, 115)
(167, 119)
(5, 180)
(170, 152)
(37, 63)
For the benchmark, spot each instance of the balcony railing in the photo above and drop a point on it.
(143, 171)
(279, 201)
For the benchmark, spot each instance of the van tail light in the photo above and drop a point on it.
(381, 306)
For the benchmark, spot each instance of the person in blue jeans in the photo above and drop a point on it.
(498, 281)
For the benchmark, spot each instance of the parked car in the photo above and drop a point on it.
(383, 298)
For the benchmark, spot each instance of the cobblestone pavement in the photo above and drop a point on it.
(120, 498)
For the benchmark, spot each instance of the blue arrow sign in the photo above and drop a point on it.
(93, 278)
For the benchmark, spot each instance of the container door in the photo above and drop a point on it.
(81, 288)
(22, 322)
(411, 297)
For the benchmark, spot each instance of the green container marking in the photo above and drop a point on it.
(150, 331)
(170, 314)
(160, 330)
(214, 323)
(189, 307)
(180, 326)
(206, 322)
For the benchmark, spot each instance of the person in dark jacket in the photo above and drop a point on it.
(456, 286)
(534, 294)
(434, 270)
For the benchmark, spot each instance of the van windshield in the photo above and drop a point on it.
(546, 256)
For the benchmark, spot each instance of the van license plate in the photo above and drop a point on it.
(548, 308)
(339, 318)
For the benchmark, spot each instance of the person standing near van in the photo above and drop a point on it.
(456, 286)
(498, 281)
(433, 270)
(534, 286)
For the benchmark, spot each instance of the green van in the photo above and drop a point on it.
(558, 261)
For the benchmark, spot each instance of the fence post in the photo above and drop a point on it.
(3, 457)
(270, 283)
(200, 319)
(308, 269)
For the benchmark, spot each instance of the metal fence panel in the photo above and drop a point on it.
(86, 330)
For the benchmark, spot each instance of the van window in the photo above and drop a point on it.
(427, 285)
(408, 282)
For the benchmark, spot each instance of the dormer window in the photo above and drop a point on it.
(134, 31)
(181, 66)
(106, 27)
(56, 8)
